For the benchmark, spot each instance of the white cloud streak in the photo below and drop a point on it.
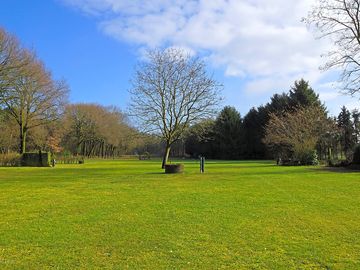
(263, 42)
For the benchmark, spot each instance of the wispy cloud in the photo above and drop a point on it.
(263, 42)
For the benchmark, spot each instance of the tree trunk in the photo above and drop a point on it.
(22, 137)
(166, 155)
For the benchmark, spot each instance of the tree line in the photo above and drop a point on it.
(174, 101)
(35, 113)
(291, 126)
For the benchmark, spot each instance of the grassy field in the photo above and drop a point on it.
(128, 215)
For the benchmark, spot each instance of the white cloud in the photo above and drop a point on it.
(263, 42)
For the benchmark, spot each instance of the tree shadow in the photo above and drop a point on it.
(156, 173)
(337, 169)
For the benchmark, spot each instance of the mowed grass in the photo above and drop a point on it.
(128, 215)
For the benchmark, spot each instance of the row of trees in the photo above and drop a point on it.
(96, 131)
(349, 131)
(296, 122)
(231, 136)
(35, 114)
(291, 126)
(170, 92)
(89, 130)
(174, 99)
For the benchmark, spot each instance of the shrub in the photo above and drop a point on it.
(308, 158)
(338, 163)
(301, 159)
(356, 156)
(289, 162)
(145, 156)
(10, 160)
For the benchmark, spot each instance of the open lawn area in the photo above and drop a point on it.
(128, 215)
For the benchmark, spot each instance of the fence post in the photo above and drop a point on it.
(202, 164)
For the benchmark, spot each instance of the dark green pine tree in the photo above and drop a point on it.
(278, 103)
(228, 135)
(301, 94)
(253, 129)
(356, 123)
(347, 131)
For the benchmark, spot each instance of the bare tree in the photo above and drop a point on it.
(170, 91)
(8, 133)
(339, 20)
(94, 130)
(33, 98)
(298, 131)
(12, 59)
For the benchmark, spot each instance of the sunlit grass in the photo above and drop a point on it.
(127, 214)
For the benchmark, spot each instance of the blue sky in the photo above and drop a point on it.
(96, 66)
(255, 48)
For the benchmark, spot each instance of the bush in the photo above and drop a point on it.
(145, 156)
(338, 163)
(299, 159)
(289, 162)
(10, 160)
(309, 158)
(356, 156)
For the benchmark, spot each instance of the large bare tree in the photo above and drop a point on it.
(34, 99)
(27, 91)
(170, 91)
(12, 59)
(339, 20)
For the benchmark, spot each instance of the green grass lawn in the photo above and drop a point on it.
(128, 215)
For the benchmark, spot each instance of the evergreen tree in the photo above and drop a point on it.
(254, 128)
(228, 135)
(356, 123)
(278, 103)
(301, 94)
(346, 126)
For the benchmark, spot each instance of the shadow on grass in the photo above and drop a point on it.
(337, 169)
(155, 173)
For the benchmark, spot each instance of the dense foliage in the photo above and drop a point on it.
(293, 126)
(356, 157)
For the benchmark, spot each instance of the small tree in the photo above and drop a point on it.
(170, 91)
(300, 130)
